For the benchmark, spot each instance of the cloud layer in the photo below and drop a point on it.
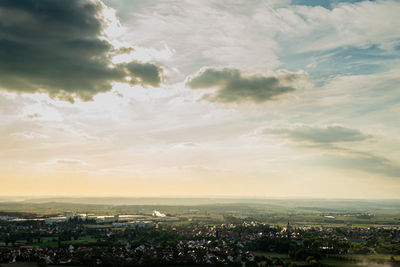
(335, 142)
(318, 135)
(233, 86)
(60, 47)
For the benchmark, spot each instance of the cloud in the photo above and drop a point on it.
(145, 73)
(362, 161)
(60, 47)
(33, 116)
(332, 141)
(229, 35)
(71, 162)
(29, 135)
(233, 86)
(320, 135)
(184, 145)
(314, 28)
(261, 35)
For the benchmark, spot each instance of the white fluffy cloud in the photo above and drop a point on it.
(251, 34)
(360, 24)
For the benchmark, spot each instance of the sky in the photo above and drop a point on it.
(255, 98)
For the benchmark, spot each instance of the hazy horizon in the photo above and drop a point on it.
(209, 197)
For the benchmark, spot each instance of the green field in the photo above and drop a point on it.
(347, 261)
(301, 212)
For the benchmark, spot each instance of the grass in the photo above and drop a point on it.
(341, 263)
(348, 261)
(272, 255)
(53, 242)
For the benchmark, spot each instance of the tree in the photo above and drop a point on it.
(311, 260)
(251, 264)
(41, 263)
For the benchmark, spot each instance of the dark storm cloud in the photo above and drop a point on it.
(320, 135)
(59, 47)
(145, 73)
(233, 86)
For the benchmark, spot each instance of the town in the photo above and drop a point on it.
(158, 239)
